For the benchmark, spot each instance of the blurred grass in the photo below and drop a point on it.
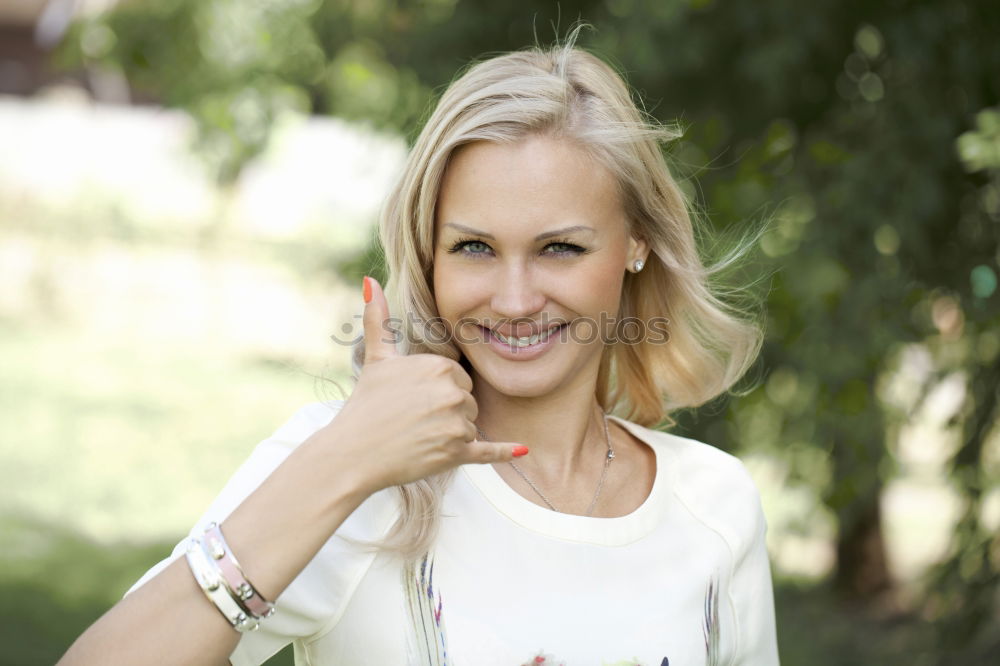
(109, 452)
(54, 583)
(111, 440)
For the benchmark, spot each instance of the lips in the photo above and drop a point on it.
(525, 341)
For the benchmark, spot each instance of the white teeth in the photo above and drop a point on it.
(522, 342)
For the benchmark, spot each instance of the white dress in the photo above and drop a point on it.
(682, 580)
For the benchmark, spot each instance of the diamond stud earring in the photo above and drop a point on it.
(637, 266)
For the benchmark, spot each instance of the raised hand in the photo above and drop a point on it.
(410, 416)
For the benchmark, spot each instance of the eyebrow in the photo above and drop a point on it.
(542, 236)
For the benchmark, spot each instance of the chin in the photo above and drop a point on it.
(521, 380)
(518, 387)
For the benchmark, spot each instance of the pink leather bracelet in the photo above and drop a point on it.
(217, 550)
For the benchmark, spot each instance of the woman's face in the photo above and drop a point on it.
(530, 240)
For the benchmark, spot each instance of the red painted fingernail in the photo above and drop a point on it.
(367, 288)
(519, 451)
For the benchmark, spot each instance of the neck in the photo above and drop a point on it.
(564, 430)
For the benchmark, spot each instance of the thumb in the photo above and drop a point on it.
(491, 452)
(379, 335)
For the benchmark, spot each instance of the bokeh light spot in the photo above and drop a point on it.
(984, 281)
(886, 240)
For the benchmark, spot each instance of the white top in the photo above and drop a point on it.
(682, 580)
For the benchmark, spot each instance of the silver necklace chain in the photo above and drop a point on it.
(600, 484)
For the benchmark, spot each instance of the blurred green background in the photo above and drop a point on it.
(187, 194)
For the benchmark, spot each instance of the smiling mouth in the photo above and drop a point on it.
(527, 341)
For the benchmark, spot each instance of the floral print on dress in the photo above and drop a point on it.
(544, 660)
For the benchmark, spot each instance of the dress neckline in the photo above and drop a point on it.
(615, 531)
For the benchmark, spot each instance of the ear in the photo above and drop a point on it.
(638, 248)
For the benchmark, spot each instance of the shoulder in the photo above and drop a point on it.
(378, 509)
(305, 421)
(369, 520)
(712, 485)
(270, 452)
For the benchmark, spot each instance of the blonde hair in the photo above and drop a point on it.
(567, 93)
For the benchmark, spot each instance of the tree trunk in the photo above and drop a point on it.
(862, 570)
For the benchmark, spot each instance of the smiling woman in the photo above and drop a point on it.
(515, 283)
(536, 225)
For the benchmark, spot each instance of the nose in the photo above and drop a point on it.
(517, 293)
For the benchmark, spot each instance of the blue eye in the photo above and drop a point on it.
(564, 248)
(462, 246)
(470, 247)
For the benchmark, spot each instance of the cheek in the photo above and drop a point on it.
(596, 288)
(441, 284)
(454, 289)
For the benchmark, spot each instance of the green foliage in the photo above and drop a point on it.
(237, 65)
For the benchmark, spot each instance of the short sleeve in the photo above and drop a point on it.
(313, 602)
(753, 597)
(721, 493)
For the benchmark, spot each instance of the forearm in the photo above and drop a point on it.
(279, 528)
(166, 621)
(275, 533)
